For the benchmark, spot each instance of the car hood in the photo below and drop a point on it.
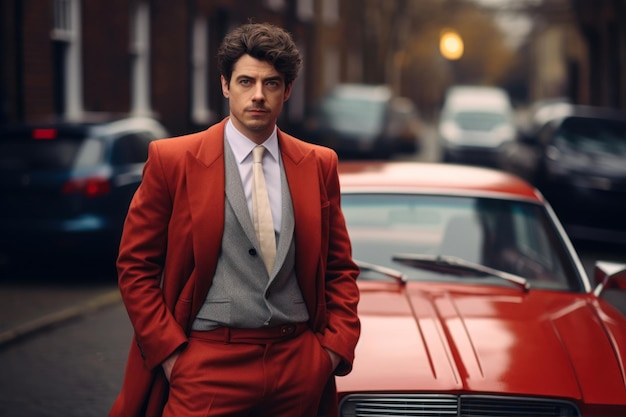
(453, 338)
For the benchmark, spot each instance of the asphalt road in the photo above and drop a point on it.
(73, 370)
(37, 296)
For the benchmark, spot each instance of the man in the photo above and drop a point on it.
(225, 324)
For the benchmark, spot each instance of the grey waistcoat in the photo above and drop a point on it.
(243, 294)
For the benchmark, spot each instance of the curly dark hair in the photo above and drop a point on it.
(262, 41)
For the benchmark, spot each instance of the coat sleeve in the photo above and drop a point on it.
(140, 265)
(341, 291)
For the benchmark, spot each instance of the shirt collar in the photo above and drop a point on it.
(242, 146)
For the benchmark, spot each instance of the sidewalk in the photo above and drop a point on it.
(26, 308)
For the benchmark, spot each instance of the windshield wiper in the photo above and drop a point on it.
(452, 264)
(388, 272)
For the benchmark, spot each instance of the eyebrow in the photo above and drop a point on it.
(273, 78)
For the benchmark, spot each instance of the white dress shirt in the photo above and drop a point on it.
(242, 149)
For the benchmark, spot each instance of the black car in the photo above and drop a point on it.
(577, 159)
(66, 187)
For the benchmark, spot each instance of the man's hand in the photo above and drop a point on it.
(334, 358)
(168, 364)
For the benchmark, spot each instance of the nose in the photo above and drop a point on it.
(258, 93)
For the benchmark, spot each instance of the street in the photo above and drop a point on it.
(74, 370)
(64, 334)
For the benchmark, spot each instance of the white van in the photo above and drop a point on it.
(475, 122)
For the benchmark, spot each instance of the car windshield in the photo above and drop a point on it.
(592, 135)
(513, 237)
(59, 154)
(474, 120)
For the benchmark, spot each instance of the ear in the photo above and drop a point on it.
(287, 93)
(225, 89)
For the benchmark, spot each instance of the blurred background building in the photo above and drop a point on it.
(66, 59)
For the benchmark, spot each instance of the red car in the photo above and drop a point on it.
(474, 301)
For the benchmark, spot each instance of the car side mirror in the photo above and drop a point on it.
(610, 281)
(609, 275)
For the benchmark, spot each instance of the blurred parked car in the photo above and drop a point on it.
(474, 123)
(577, 158)
(544, 110)
(66, 187)
(473, 300)
(365, 120)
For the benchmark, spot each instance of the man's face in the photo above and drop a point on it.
(256, 95)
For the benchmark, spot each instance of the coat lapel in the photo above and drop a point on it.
(302, 175)
(236, 195)
(206, 188)
(287, 226)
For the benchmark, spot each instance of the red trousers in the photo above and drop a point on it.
(237, 373)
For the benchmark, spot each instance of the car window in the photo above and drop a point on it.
(130, 149)
(476, 120)
(511, 236)
(533, 239)
(592, 135)
(89, 154)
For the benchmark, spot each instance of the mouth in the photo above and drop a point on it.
(257, 111)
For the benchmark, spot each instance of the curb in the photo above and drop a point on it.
(56, 318)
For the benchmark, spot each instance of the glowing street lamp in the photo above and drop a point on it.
(451, 45)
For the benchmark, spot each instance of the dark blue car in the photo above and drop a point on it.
(65, 187)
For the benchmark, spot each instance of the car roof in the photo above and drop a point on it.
(560, 112)
(477, 97)
(545, 112)
(433, 178)
(91, 124)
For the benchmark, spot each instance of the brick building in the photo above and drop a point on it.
(69, 58)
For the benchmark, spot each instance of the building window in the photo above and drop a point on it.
(67, 58)
(140, 53)
(304, 10)
(199, 89)
(276, 5)
(330, 12)
(63, 19)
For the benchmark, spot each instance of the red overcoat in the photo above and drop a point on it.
(171, 242)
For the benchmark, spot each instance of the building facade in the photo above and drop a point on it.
(67, 59)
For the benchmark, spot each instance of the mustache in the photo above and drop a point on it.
(262, 108)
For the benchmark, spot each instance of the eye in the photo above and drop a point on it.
(273, 84)
(244, 82)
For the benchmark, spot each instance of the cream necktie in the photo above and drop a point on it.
(261, 211)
